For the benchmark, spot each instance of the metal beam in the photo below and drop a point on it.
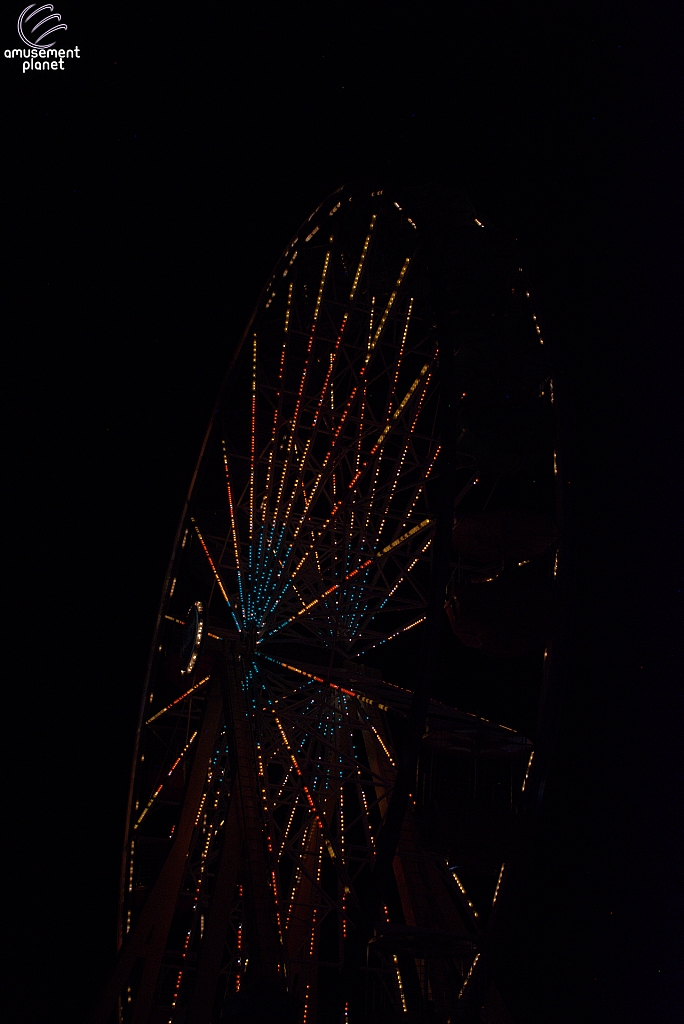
(265, 952)
(209, 964)
(147, 939)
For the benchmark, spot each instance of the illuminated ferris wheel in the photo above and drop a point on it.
(268, 751)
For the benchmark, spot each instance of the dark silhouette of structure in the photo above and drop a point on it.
(300, 832)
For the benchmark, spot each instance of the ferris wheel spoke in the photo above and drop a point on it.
(362, 258)
(215, 572)
(234, 530)
(278, 405)
(400, 408)
(383, 319)
(420, 487)
(178, 700)
(377, 597)
(386, 639)
(390, 397)
(158, 790)
(252, 449)
(397, 471)
(302, 384)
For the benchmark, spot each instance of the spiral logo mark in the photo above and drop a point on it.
(23, 26)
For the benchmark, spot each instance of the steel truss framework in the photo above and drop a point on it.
(263, 772)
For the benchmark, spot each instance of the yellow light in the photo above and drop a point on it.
(400, 407)
(363, 255)
(498, 884)
(405, 536)
(178, 699)
(529, 763)
(388, 307)
(468, 976)
(211, 563)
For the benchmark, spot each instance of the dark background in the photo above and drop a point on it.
(153, 184)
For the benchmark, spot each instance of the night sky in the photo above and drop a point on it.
(153, 184)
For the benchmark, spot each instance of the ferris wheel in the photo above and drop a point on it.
(268, 750)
